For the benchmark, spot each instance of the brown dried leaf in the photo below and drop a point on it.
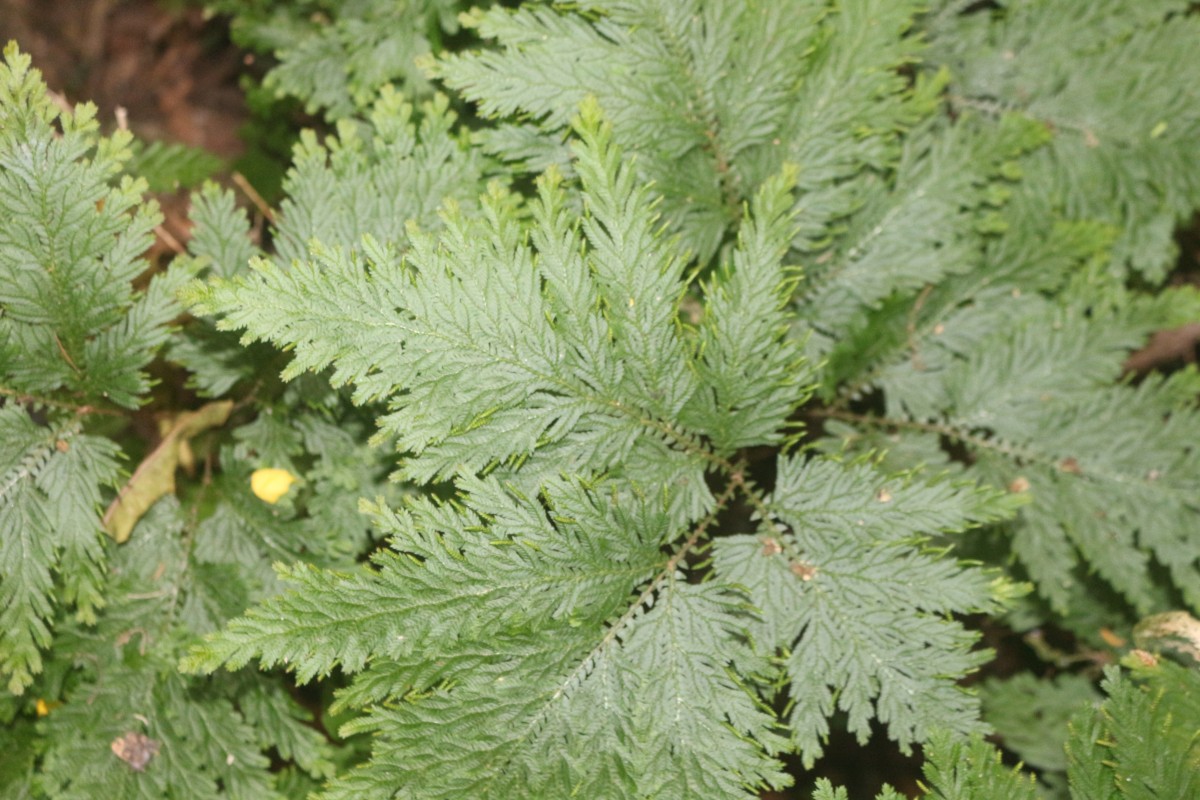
(155, 476)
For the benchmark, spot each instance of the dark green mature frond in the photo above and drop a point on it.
(493, 351)
(913, 336)
(116, 680)
(713, 97)
(1118, 499)
(221, 244)
(1111, 81)
(1025, 385)
(70, 247)
(437, 573)
(1143, 743)
(856, 604)
(650, 708)
(924, 231)
(529, 342)
(49, 519)
(558, 667)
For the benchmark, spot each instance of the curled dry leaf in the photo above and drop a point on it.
(155, 476)
(1173, 630)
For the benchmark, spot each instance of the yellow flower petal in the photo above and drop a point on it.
(270, 484)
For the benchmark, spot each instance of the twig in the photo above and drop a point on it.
(255, 197)
(170, 241)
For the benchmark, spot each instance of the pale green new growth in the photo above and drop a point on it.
(334, 55)
(1143, 742)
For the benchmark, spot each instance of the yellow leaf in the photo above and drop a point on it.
(155, 476)
(270, 484)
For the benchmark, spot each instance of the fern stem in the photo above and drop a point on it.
(666, 573)
(736, 481)
(941, 429)
(26, 398)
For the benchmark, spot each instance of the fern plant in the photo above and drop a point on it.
(728, 368)
(335, 56)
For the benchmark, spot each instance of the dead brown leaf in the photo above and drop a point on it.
(155, 476)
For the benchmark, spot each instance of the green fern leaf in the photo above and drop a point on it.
(336, 56)
(566, 355)
(713, 97)
(71, 321)
(49, 498)
(1121, 150)
(1143, 743)
(124, 723)
(846, 592)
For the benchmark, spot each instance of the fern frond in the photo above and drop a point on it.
(1143, 742)
(196, 737)
(49, 515)
(551, 594)
(928, 228)
(167, 167)
(399, 163)
(713, 97)
(846, 591)
(752, 366)
(494, 352)
(334, 56)
(973, 770)
(221, 232)
(438, 571)
(70, 248)
(1107, 79)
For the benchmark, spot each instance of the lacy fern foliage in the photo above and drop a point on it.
(513, 351)
(688, 383)
(73, 333)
